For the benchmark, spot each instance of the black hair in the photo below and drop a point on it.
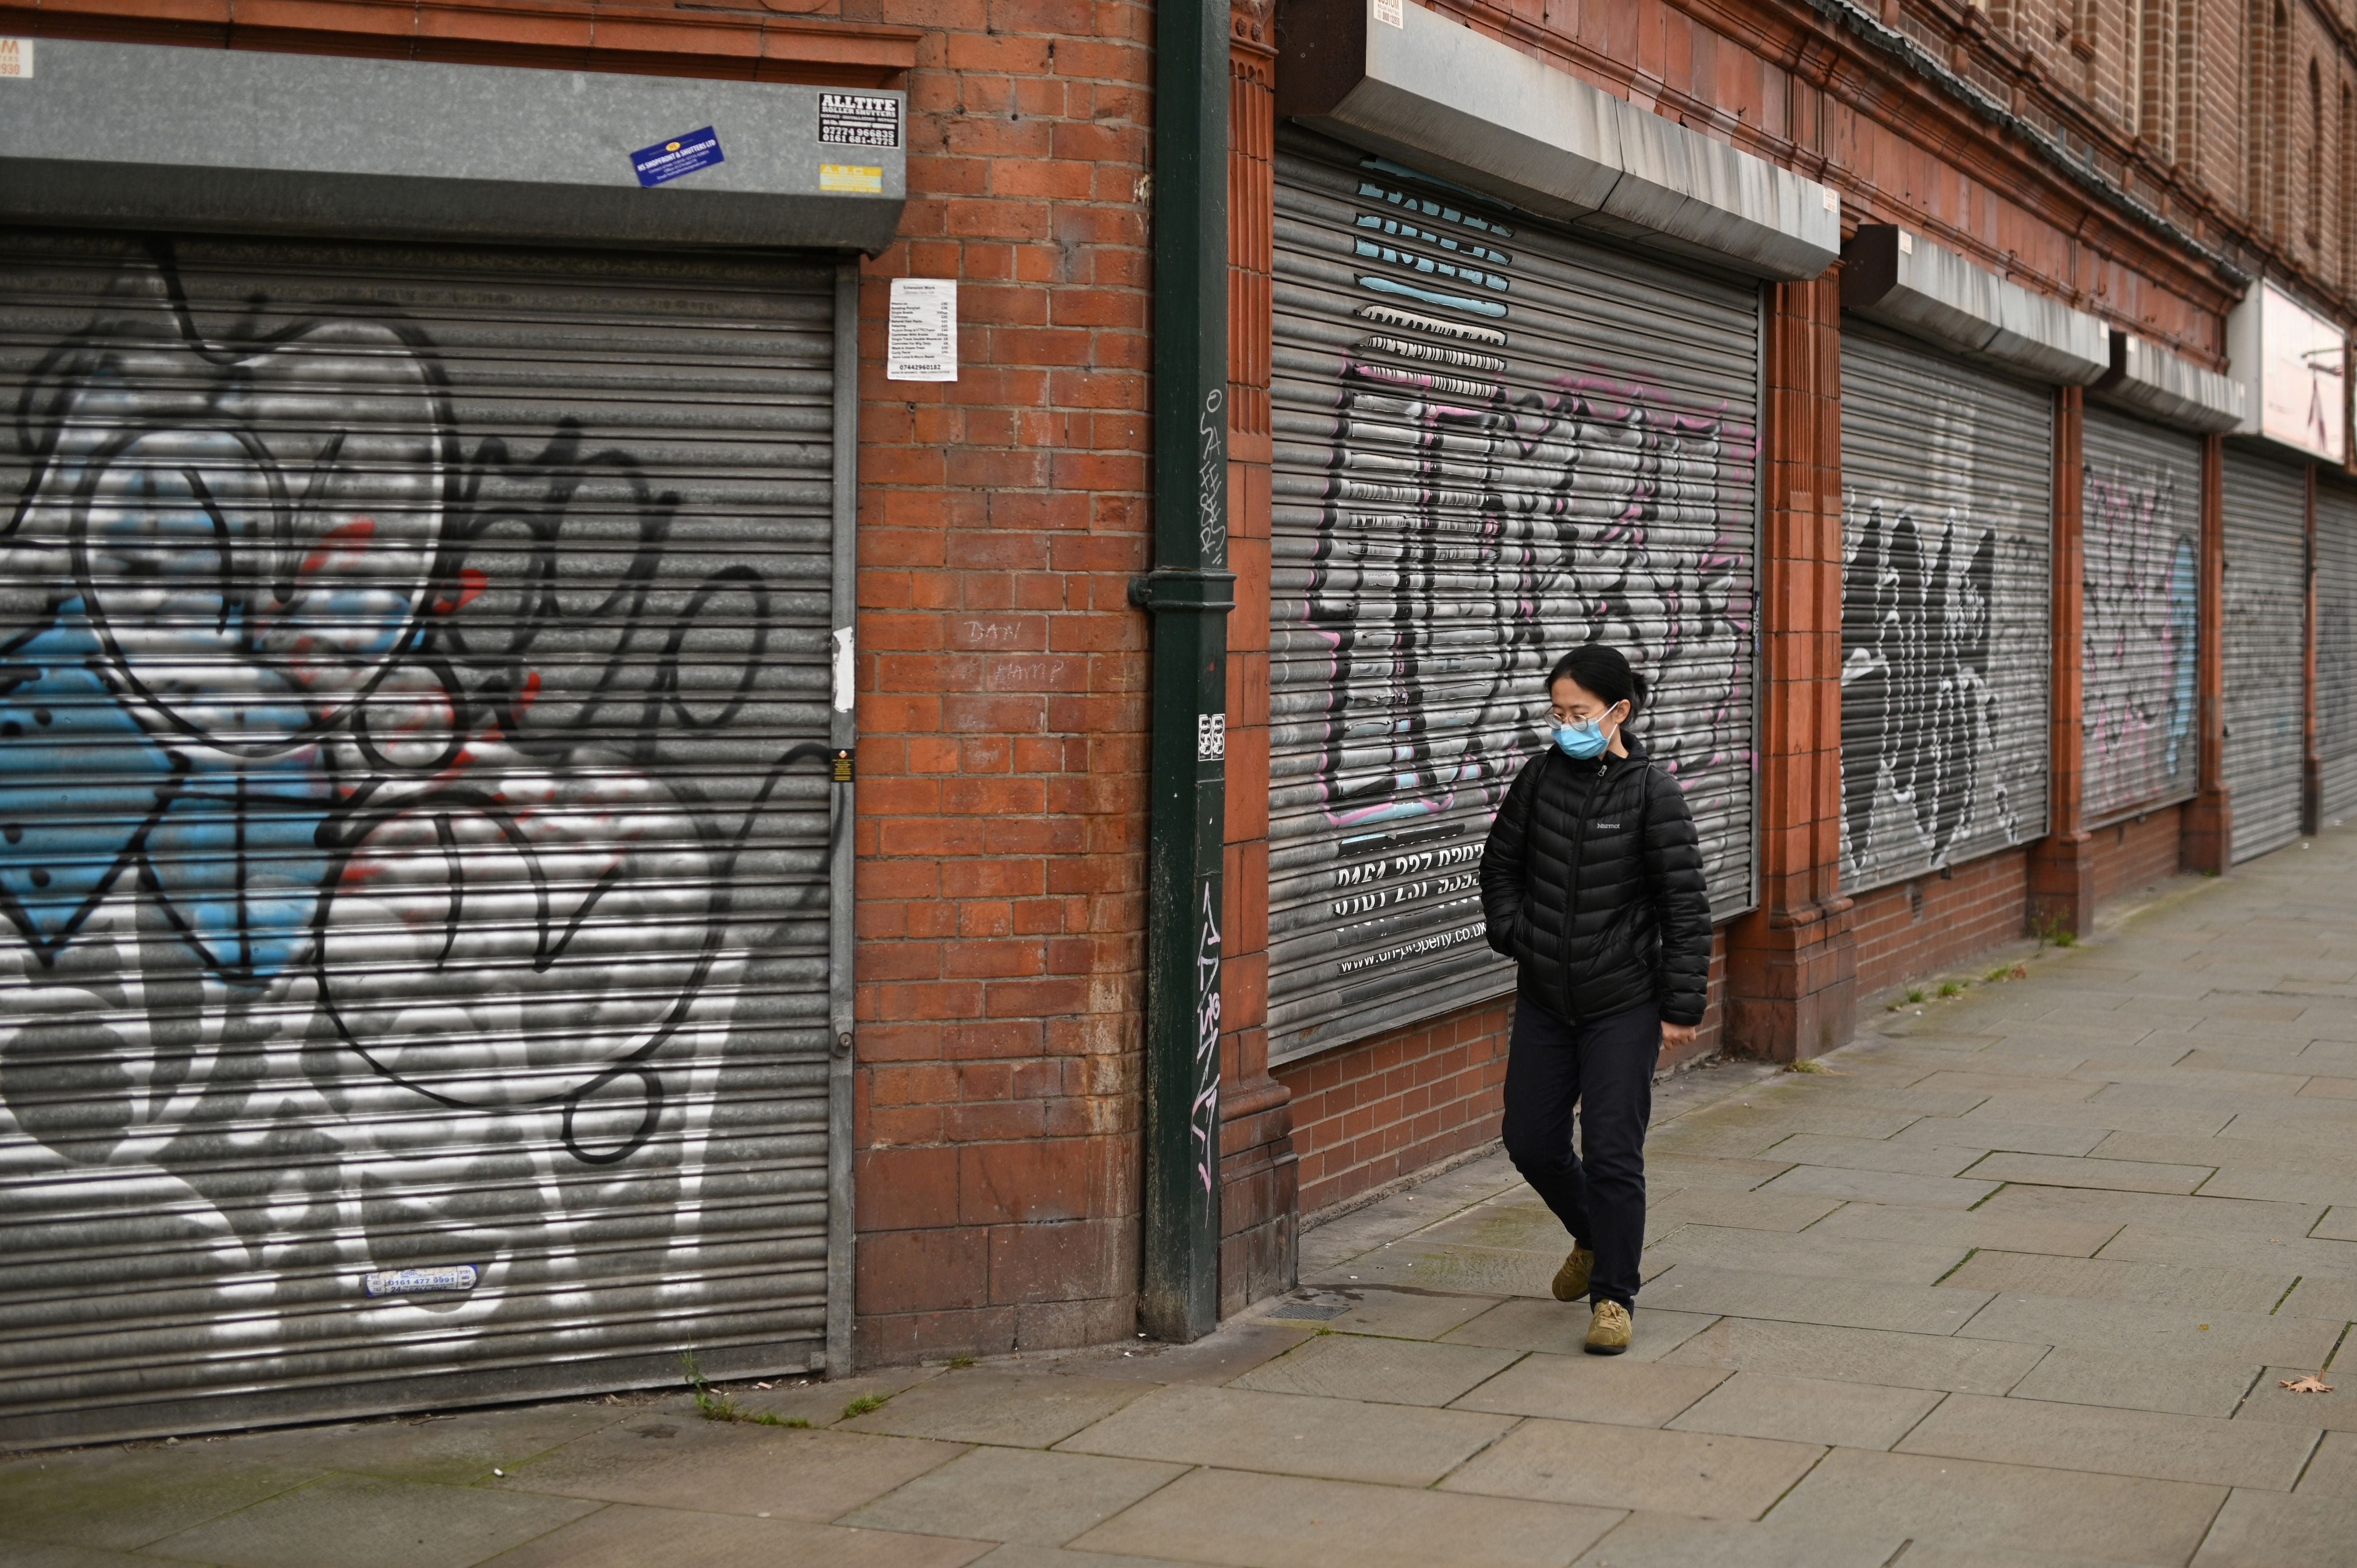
(1603, 670)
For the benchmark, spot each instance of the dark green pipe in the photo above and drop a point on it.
(1188, 593)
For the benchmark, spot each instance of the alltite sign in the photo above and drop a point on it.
(2295, 366)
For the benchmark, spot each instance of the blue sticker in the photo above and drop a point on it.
(681, 154)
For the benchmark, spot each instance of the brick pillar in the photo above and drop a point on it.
(2311, 772)
(1791, 964)
(1258, 1171)
(2062, 863)
(2210, 818)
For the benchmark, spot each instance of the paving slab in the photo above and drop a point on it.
(2159, 1331)
(1346, 1440)
(454, 1450)
(1918, 1157)
(1674, 1541)
(1560, 1328)
(1797, 1298)
(52, 1554)
(688, 1463)
(121, 1499)
(1390, 1372)
(1022, 1554)
(2334, 1300)
(1703, 1474)
(1526, 1226)
(2117, 1175)
(1275, 1521)
(1029, 1409)
(1859, 1355)
(372, 1521)
(1756, 1210)
(1947, 1228)
(1433, 1267)
(1879, 1187)
(1609, 1389)
(821, 1401)
(1808, 1410)
(1016, 1494)
(2338, 1224)
(2256, 1250)
(2332, 1470)
(2117, 1442)
(2282, 1187)
(2107, 1278)
(2233, 1215)
(2003, 1506)
(630, 1537)
(1682, 1171)
(2269, 1401)
(1234, 1348)
(2135, 1381)
(1810, 1253)
(2260, 1529)
(1404, 1314)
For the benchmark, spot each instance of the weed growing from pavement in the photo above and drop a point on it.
(960, 1363)
(1951, 987)
(863, 1404)
(713, 1405)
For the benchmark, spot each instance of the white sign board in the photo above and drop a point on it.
(2295, 364)
(920, 340)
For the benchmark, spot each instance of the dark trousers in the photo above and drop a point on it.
(1605, 1066)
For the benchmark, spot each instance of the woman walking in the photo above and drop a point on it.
(1592, 882)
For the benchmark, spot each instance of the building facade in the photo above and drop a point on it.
(569, 801)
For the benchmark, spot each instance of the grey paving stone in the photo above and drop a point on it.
(121, 1499)
(1702, 1474)
(2282, 1187)
(1916, 1158)
(2118, 1442)
(451, 1449)
(2338, 1224)
(821, 1401)
(1937, 1554)
(53, 1554)
(630, 1537)
(1808, 1410)
(2003, 1506)
(1521, 1224)
(2135, 1381)
(1879, 1187)
(1947, 1228)
(2141, 1329)
(2234, 1216)
(1273, 1521)
(1612, 1390)
(1233, 1348)
(1016, 1494)
(1426, 1266)
(2119, 1175)
(2260, 1529)
(2226, 1154)
(685, 1463)
(2332, 1470)
(2269, 1401)
(1809, 1253)
(1672, 1541)
(1390, 1372)
(2257, 1253)
(1695, 1171)
(1029, 1410)
(371, 1521)
(1795, 1298)
(2332, 1299)
(1347, 1439)
(1406, 1315)
(1559, 1328)
(1759, 1210)
(1020, 1554)
(1858, 1355)
(2105, 1279)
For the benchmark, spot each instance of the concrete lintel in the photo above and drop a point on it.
(1437, 95)
(1902, 280)
(2146, 378)
(156, 136)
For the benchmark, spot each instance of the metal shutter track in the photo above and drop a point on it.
(1947, 529)
(412, 773)
(2336, 650)
(2141, 581)
(2267, 653)
(1493, 443)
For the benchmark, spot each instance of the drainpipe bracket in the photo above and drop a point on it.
(1185, 590)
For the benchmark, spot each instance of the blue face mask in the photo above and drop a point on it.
(1584, 741)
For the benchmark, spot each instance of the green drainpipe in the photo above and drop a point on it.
(1188, 593)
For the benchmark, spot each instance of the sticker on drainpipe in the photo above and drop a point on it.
(845, 667)
(16, 59)
(1388, 13)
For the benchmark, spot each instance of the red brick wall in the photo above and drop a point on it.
(1979, 907)
(2133, 854)
(1367, 1113)
(1003, 700)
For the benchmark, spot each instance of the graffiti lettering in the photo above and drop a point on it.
(2141, 579)
(1204, 1114)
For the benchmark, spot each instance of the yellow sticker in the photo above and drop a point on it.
(851, 180)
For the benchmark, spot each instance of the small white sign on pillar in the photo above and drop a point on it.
(921, 337)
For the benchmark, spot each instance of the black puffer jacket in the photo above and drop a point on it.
(1597, 921)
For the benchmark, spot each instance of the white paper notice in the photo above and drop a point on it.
(920, 343)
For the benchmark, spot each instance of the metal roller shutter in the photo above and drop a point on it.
(412, 775)
(1493, 444)
(2336, 650)
(1947, 589)
(2266, 649)
(2141, 583)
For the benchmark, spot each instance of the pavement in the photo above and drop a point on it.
(2018, 1278)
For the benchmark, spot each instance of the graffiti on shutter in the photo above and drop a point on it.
(2141, 583)
(1463, 496)
(1946, 522)
(2336, 650)
(2266, 649)
(412, 838)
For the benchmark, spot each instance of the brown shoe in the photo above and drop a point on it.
(1571, 1280)
(1608, 1331)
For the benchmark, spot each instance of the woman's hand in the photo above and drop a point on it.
(1677, 1037)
